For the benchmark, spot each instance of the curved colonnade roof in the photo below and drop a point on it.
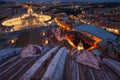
(96, 31)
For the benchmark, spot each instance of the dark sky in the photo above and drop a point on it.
(66, 0)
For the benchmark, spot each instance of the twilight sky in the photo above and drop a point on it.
(66, 0)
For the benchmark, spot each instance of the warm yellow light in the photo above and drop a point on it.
(43, 34)
(62, 24)
(116, 30)
(27, 19)
(46, 41)
(80, 46)
(97, 40)
(71, 43)
(13, 41)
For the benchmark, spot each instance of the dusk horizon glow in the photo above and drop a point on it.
(61, 0)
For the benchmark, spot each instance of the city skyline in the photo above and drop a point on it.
(60, 40)
(61, 0)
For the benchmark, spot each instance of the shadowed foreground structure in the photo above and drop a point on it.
(55, 64)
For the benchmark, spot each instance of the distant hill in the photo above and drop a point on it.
(62, 0)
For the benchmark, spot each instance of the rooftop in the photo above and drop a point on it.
(96, 31)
